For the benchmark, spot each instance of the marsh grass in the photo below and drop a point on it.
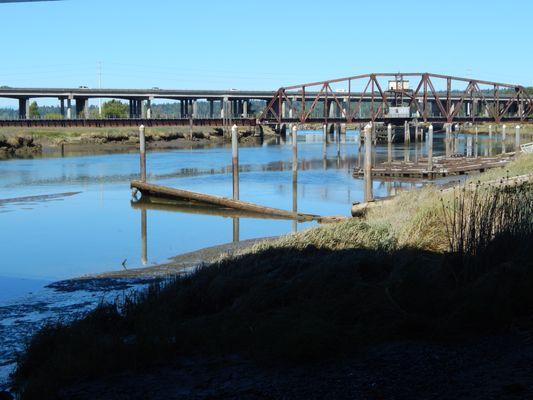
(430, 265)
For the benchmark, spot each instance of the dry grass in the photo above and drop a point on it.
(403, 272)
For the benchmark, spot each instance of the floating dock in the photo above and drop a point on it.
(442, 167)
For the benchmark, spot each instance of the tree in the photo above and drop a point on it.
(34, 110)
(114, 109)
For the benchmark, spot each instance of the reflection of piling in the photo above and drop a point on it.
(236, 229)
(476, 142)
(430, 148)
(389, 143)
(142, 147)
(235, 160)
(144, 241)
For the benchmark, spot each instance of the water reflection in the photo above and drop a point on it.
(321, 184)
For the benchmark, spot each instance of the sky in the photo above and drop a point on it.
(212, 44)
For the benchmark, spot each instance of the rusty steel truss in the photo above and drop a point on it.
(457, 99)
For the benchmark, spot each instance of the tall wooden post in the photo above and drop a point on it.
(430, 148)
(294, 148)
(142, 147)
(235, 160)
(294, 175)
(368, 164)
(517, 138)
(389, 143)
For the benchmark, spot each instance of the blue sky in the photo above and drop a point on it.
(260, 44)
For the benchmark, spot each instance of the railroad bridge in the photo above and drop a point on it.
(380, 97)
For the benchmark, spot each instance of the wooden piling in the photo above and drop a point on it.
(368, 149)
(430, 148)
(235, 160)
(389, 143)
(407, 135)
(517, 138)
(504, 132)
(142, 148)
(294, 149)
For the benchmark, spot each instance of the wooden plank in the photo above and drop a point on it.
(185, 195)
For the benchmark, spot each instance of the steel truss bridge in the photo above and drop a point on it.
(379, 97)
(395, 97)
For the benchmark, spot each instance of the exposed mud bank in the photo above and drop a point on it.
(18, 146)
(30, 142)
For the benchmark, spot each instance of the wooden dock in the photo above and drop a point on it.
(151, 190)
(442, 167)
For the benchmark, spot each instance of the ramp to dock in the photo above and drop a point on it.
(149, 189)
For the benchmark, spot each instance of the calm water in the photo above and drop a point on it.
(69, 216)
(89, 224)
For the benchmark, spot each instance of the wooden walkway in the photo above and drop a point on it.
(442, 166)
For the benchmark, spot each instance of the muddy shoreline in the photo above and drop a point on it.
(30, 143)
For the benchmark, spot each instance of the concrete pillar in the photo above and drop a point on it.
(195, 109)
(131, 106)
(80, 107)
(245, 109)
(69, 108)
(24, 111)
(62, 107)
(149, 109)
(86, 109)
(210, 108)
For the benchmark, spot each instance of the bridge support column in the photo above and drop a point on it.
(24, 108)
(82, 109)
(245, 109)
(195, 109)
(62, 107)
(149, 109)
(69, 108)
(210, 108)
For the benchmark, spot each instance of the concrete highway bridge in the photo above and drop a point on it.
(383, 97)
